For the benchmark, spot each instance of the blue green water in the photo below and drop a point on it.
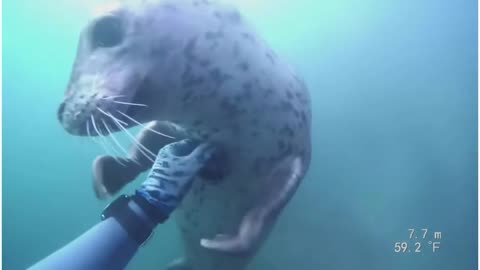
(394, 94)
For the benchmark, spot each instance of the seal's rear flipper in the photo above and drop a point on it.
(111, 174)
(287, 176)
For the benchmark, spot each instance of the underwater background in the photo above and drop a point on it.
(394, 94)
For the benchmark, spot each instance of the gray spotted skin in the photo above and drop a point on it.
(240, 94)
(213, 77)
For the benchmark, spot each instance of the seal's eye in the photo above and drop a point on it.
(107, 32)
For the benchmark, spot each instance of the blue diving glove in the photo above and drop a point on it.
(173, 172)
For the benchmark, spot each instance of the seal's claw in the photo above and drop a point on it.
(111, 174)
(179, 264)
(245, 242)
(227, 244)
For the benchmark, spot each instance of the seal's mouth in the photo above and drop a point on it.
(139, 107)
(98, 114)
(127, 113)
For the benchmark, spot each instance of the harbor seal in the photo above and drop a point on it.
(195, 69)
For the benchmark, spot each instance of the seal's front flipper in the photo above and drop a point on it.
(111, 174)
(179, 264)
(287, 176)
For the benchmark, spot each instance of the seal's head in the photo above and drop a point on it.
(112, 74)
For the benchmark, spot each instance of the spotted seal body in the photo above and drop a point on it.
(195, 69)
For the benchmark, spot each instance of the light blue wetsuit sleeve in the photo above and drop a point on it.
(105, 246)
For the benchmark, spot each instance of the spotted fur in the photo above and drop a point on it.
(214, 78)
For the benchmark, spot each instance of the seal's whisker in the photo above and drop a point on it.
(144, 126)
(145, 152)
(140, 146)
(103, 141)
(114, 139)
(93, 139)
(113, 97)
(88, 130)
(111, 116)
(116, 143)
(130, 103)
(89, 133)
(95, 126)
(134, 159)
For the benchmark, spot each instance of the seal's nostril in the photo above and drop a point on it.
(60, 112)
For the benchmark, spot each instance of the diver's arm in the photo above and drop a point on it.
(130, 220)
(107, 245)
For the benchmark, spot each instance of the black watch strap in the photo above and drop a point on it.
(136, 227)
(150, 210)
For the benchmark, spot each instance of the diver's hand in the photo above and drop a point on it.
(173, 172)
